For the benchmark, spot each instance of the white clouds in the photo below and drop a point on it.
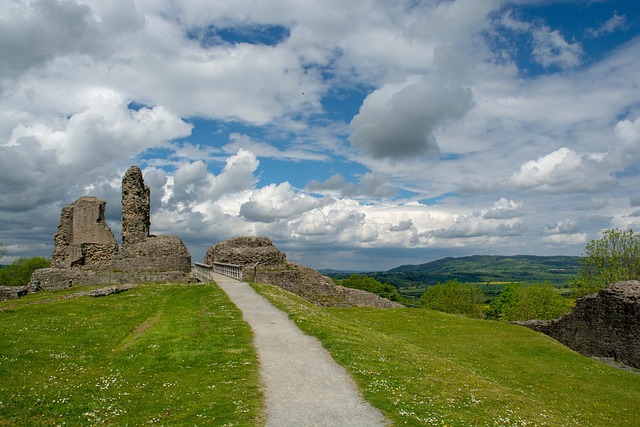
(551, 49)
(193, 184)
(276, 202)
(262, 149)
(611, 25)
(506, 209)
(401, 120)
(370, 185)
(566, 239)
(106, 130)
(523, 127)
(565, 232)
(34, 33)
(562, 171)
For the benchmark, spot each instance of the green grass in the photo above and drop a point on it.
(155, 355)
(427, 368)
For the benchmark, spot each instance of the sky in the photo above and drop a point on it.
(356, 135)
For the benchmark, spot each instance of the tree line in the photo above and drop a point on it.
(18, 273)
(613, 258)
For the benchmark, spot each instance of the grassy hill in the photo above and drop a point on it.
(181, 355)
(422, 367)
(155, 355)
(490, 272)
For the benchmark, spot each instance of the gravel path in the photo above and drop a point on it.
(303, 385)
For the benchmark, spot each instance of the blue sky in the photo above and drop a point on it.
(356, 135)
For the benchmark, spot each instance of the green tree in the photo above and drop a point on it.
(19, 272)
(516, 302)
(369, 284)
(500, 303)
(454, 297)
(613, 258)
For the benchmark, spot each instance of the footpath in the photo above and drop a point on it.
(303, 384)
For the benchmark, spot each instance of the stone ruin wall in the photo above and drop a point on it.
(136, 207)
(83, 238)
(605, 325)
(246, 251)
(274, 269)
(86, 251)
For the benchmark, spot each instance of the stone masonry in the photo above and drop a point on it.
(83, 239)
(274, 269)
(136, 207)
(87, 253)
(606, 324)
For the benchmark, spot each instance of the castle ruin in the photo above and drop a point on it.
(86, 252)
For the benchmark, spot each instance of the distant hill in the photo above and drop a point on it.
(481, 269)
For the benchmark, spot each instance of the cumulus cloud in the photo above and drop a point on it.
(506, 209)
(35, 33)
(193, 183)
(404, 225)
(275, 202)
(401, 120)
(106, 130)
(90, 87)
(566, 226)
(470, 226)
(566, 239)
(334, 225)
(370, 184)
(41, 162)
(563, 170)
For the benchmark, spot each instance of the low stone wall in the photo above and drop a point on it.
(606, 324)
(13, 292)
(246, 251)
(58, 278)
(154, 254)
(318, 289)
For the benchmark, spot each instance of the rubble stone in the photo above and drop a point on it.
(87, 253)
(136, 207)
(154, 254)
(274, 269)
(83, 238)
(604, 325)
(246, 251)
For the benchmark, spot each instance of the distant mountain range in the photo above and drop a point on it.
(480, 269)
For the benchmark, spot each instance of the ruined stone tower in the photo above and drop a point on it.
(136, 207)
(83, 239)
(87, 253)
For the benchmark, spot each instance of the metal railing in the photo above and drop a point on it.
(230, 270)
(203, 272)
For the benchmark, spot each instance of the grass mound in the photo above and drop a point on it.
(422, 367)
(155, 355)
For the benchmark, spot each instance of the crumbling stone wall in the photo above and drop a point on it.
(274, 269)
(83, 238)
(87, 253)
(246, 251)
(154, 254)
(606, 324)
(136, 207)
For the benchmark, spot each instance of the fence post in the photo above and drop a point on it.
(255, 272)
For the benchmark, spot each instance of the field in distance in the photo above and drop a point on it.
(490, 272)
